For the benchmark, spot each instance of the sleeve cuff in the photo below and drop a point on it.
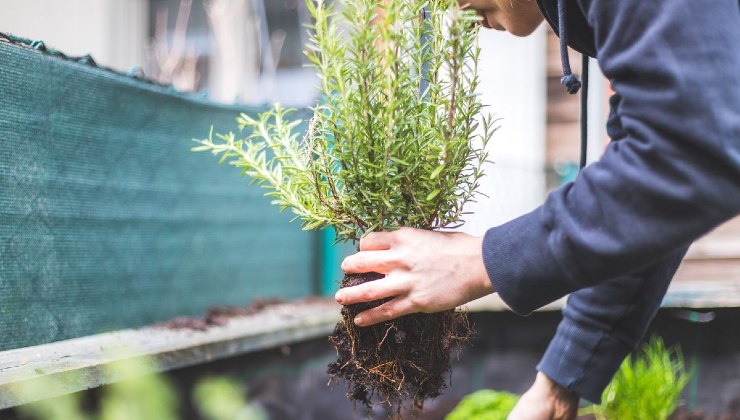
(520, 265)
(582, 360)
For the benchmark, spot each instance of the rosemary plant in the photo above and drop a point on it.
(395, 141)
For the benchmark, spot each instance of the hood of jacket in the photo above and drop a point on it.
(580, 33)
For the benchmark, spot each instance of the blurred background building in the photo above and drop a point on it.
(247, 51)
(155, 253)
(250, 52)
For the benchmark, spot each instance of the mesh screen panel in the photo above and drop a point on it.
(108, 221)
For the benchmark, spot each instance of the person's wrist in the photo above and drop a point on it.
(546, 399)
(563, 402)
(483, 285)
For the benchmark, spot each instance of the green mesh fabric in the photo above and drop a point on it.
(108, 221)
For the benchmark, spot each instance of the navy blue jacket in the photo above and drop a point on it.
(672, 170)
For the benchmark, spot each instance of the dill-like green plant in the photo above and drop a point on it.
(485, 404)
(646, 388)
(396, 140)
(221, 398)
(137, 393)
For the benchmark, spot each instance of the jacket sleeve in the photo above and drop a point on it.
(673, 176)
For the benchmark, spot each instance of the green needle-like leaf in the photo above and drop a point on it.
(395, 139)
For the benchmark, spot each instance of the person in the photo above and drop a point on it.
(614, 237)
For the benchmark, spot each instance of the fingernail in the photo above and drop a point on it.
(338, 297)
(358, 320)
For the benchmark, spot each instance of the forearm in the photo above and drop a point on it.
(602, 324)
(673, 176)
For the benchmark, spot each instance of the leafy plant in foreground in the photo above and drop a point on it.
(135, 393)
(219, 398)
(647, 387)
(396, 142)
(485, 404)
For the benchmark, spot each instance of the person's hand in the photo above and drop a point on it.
(425, 271)
(545, 400)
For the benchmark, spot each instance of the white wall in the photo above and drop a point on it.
(598, 111)
(113, 31)
(512, 72)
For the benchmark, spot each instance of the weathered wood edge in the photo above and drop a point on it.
(79, 364)
(703, 294)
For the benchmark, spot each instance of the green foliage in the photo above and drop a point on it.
(140, 395)
(648, 387)
(396, 142)
(65, 407)
(485, 404)
(136, 393)
(224, 399)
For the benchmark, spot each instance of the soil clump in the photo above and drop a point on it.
(396, 361)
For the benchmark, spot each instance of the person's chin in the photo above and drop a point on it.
(522, 31)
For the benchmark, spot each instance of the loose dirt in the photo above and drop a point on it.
(407, 359)
(218, 315)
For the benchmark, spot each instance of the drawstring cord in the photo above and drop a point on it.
(584, 111)
(571, 82)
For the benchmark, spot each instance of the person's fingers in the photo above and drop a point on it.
(373, 290)
(372, 261)
(376, 241)
(385, 312)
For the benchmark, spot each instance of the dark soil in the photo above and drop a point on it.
(218, 315)
(684, 414)
(407, 359)
(184, 323)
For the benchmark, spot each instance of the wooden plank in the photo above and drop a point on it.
(78, 364)
(493, 303)
(721, 243)
(706, 270)
(562, 145)
(703, 294)
(681, 294)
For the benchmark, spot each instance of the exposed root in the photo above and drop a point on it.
(407, 359)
